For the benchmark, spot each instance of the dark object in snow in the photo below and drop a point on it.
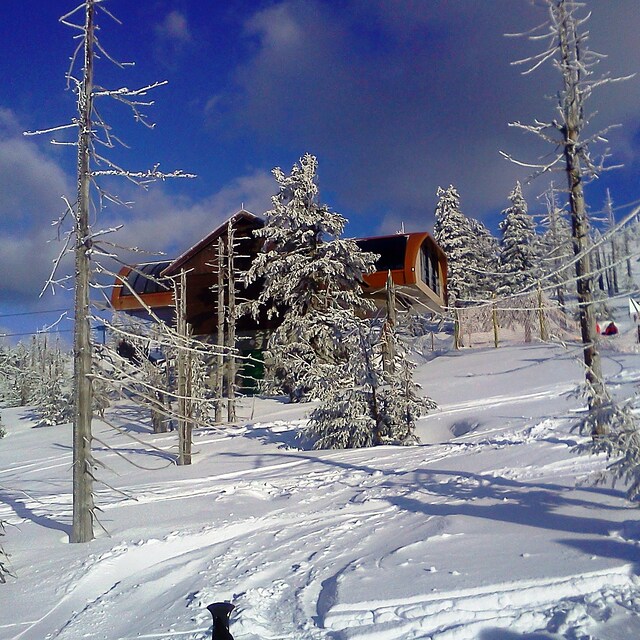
(221, 612)
(127, 350)
(611, 330)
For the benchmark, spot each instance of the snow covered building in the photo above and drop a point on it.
(417, 264)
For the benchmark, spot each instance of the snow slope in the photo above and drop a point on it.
(491, 529)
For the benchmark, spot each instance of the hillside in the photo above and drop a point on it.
(491, 529)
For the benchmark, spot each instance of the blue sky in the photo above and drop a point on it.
(395, 98)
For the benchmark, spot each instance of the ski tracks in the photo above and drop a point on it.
(568, 605)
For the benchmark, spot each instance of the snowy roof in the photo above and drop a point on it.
(247, 216)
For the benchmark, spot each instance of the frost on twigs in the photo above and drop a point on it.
(613, 427)
(88, 246)
(4, 559)
(94, 135)
(312, 280)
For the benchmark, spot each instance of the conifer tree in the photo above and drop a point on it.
(55, 403)
(517, 254)
(371, 398)
(452, 232)
(312, 281)
(485, 259)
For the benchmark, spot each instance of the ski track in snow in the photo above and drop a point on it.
(545, 604)
(506, 399)
(301, 542)
(289, 589)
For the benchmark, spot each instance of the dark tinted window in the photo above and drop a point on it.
(391, 249)
(145, 279)
(429, 271)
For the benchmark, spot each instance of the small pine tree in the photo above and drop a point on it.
(371, 399)
(517, 256)
(485, 259)
(452, 232)
(400, 403)
(52, 384)
(54, 401)
(18, 381)
(348, 415)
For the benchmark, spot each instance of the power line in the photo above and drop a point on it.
(31, 313)
(35, 333)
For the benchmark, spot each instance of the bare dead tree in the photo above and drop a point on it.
(4, 558)
(389, 325)
(228, 311)
(566, 47)
(220, 333)
(557, 243)
(86, 243)
(184, 377)
(611, 223)
(232, 316)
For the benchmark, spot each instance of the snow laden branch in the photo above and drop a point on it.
(566, 47)
(93, 132)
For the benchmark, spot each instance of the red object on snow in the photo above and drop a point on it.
(611, 330)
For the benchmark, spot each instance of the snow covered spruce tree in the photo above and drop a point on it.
(452, 232)
(517, 258)
(485, 258)
(18, 382)
(312, 281)
(370, 398)
(54, 394)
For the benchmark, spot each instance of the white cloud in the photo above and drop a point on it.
(175, 27)
(159, 221)
(32, 183)
(398, 98)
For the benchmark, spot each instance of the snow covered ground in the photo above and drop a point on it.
(492, 529)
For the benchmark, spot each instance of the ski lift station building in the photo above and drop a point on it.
(416, 263)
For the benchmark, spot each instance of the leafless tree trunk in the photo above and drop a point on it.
(544, 335)
(219, 374)
(627, 252)
(597, 257)
(614, 288)
(86, 242)
(82, 530)
(573, 112)
(389, 355)
(494, 322)
(231, 327)
(185, 425)
(553, 214)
